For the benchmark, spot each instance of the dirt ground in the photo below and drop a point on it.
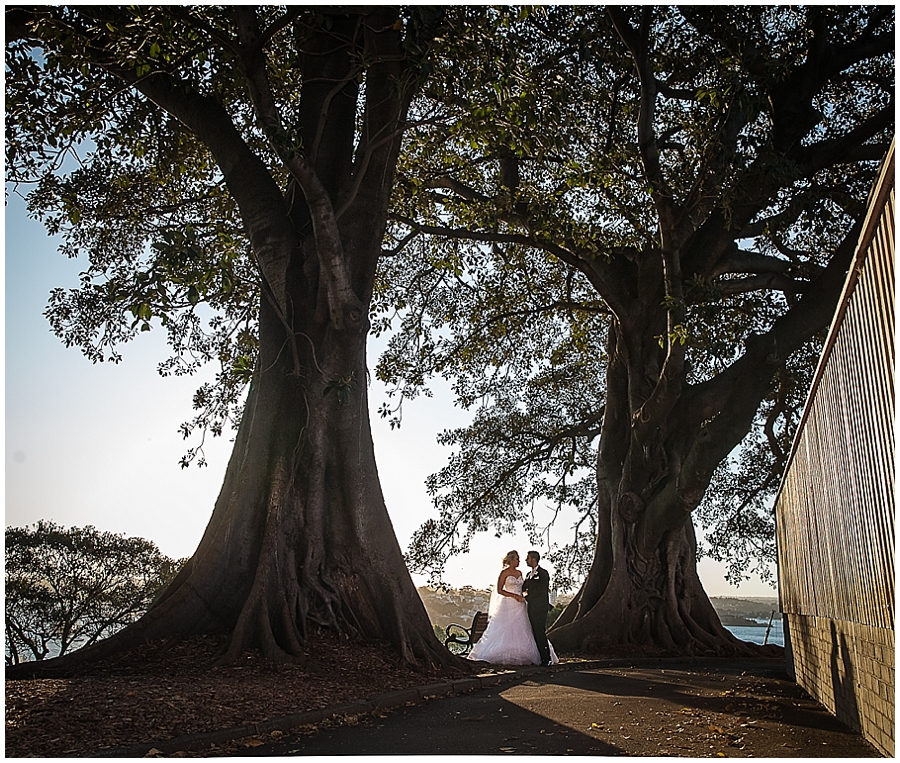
(155, 694)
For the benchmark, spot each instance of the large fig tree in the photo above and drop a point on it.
(628, 237)
(241, 159)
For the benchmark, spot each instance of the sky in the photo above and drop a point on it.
(98, 444)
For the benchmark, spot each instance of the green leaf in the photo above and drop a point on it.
(342, 388)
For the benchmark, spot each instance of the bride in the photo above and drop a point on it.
(508, 639)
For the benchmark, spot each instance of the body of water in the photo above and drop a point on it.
(757, 634)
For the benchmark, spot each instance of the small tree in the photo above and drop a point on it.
(71, 587)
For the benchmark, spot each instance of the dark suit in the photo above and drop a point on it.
(537, 590)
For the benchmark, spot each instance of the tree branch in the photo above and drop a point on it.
(246, 177)
(359, 174)
(396, 71)
(746, 379)
(402, 245)
(742, 261)
(460, 189)
(343, 302)
(722, 409)
(675, 93)
(761, 282)
(865, 47)
(216, 35)
(638, 43)
(781, 219)
(541, 452)
(490, 237)
(289, 17)
(741, 46)
(827, 153)
(553, 307)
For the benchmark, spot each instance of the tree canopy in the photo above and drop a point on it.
(70, 587)
(134, 191)
(633, 220)
(624, 223)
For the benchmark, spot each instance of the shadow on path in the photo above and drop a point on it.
(485, 723)
(754, 696)
(684, 711)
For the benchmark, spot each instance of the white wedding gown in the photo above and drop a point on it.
(508, 639)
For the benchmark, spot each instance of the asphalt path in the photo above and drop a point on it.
(731, 710)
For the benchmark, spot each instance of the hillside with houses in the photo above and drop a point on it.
(459, 605)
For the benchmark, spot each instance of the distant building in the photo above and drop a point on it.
(835, 507)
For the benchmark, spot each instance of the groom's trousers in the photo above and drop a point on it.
(538, 617)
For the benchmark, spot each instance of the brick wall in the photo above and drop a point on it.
(849, 668)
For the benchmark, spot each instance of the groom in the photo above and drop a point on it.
(537, 590)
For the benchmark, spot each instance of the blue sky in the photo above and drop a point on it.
(99, 444)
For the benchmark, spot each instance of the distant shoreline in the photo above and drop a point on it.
(744, 622)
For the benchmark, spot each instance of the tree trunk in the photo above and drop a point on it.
(642, 591)
(660, 442)
(651, 603)
(300, 537)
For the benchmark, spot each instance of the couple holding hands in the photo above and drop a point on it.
(516, 631)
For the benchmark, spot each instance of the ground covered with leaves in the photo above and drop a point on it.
(156, 694)
(153, 695)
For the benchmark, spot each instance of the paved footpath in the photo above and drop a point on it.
(681, 710)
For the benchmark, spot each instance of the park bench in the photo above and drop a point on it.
(462, 643)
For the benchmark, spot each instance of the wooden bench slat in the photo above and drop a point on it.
(469, 636)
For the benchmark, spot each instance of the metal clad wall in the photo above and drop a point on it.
(835, 508)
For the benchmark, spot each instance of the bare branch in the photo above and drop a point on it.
(761, 282)
(638, 42)
(460, 189)
(742, 261)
